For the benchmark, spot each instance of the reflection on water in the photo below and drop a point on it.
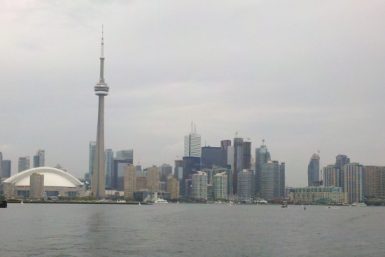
(190, 230)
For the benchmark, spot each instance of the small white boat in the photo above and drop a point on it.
(160, 200)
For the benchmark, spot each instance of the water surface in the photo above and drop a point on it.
(190, 230)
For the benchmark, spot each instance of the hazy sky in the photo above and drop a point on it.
(304, 75)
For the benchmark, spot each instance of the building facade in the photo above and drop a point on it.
(220, 186)
(317, 195)
(173, 188)
(199, 186)
(353, 182)
(129, 182)
(245, 186)
(153, 179)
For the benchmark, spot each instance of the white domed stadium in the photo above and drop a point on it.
(40, 182)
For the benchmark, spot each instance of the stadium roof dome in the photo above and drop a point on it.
(52, 177)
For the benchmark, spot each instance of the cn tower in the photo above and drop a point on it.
(101, 90)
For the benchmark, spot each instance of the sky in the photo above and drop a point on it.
(304, 75)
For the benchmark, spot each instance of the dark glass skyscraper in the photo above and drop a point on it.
(313, 171)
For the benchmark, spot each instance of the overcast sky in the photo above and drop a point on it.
(303, 75)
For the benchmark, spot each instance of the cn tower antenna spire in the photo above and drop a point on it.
(102, 45)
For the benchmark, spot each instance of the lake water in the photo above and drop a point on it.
(190, 230)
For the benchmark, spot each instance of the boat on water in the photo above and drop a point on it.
(284, 204)
(160, 200)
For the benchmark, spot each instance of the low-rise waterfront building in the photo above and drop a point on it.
(317, 195)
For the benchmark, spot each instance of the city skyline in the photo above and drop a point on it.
(329, 99)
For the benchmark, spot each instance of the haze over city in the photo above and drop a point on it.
(305, 80)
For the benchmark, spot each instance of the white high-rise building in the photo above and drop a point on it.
(220, 186)
(192, 144)
(199, 186)
(353, 181)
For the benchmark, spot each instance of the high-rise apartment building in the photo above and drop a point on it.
(262, 156)
(245, 185)
(199, 186)
(141, 183)
(341, 161)
(39, 159)
(331, 176)
(353, 182)
(192, 144)
(374, 182)
(24, 163)
(129, 182)
(36, 186)
(173, 188)
(220, 186)
(153, 179)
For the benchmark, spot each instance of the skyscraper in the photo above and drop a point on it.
(109, 162)
(262, 156)
(129, 182)
(165, 171)
(341, 161)
(91, 157)
(192, 144)
(273, 180)
(173, 188)
(238, 161)
(313, 171)
(245, 185)
(39, 159)
(122, 159)
(353, 182)
(153, 179)
(24, 163)
(6, 168)
(246, 152)
(331, 176)
(213, 156)
(98, 177)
